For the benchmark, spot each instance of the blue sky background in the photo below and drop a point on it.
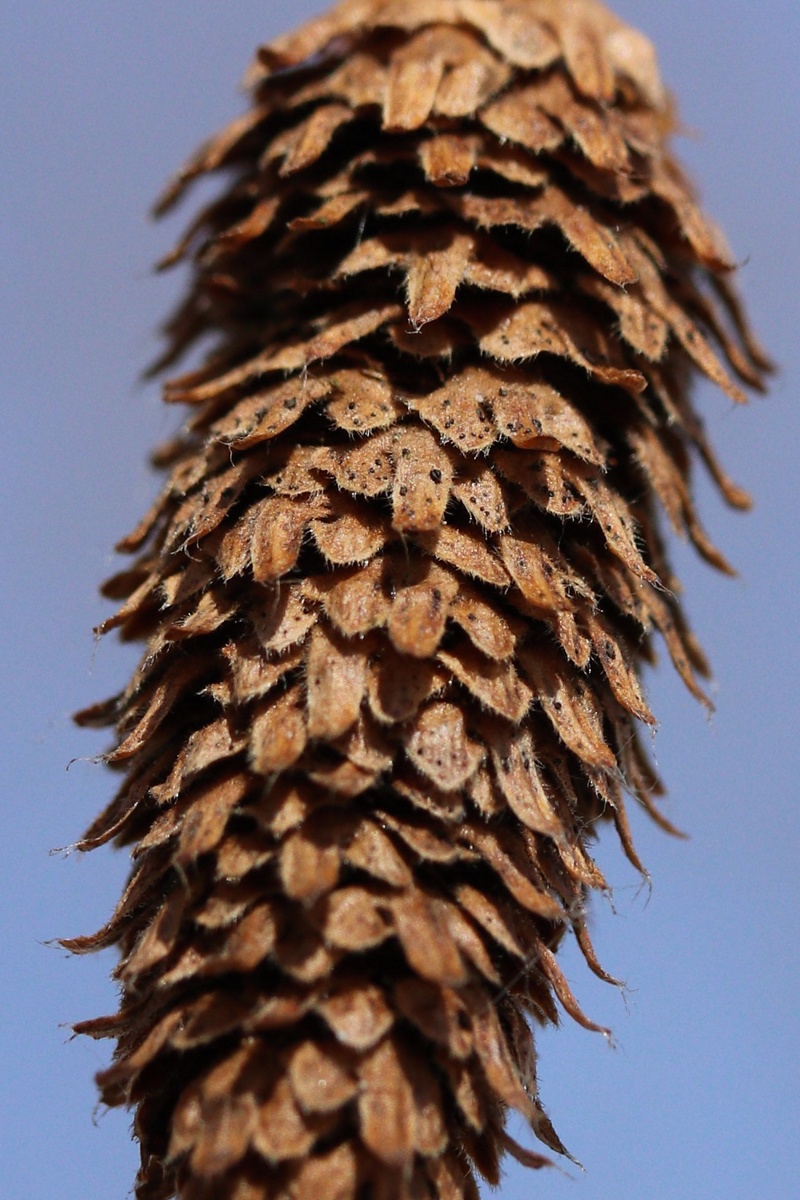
(100, 102)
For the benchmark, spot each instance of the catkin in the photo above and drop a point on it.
(397, 590)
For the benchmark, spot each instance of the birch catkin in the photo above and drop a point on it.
(397, 590)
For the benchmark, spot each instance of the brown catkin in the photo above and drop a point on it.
(397, 590)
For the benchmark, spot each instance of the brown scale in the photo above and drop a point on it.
(397, 591)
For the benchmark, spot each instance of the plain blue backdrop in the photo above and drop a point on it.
(100, 102)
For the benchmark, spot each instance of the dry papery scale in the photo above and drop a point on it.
(397, 590)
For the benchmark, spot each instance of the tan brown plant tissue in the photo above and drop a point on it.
(397, 590)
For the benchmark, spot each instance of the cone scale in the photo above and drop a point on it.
(397, 590)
